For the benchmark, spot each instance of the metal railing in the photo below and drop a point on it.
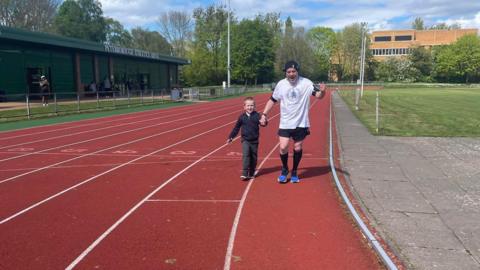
(28, 106)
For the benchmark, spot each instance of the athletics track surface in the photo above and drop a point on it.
(160, 190)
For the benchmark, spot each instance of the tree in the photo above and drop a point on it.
(459, 61)
(209, 48)
(253, 55)
(31, 15)
(421, 60)
(322, 41)
(81, 19)
(150, 41)
(294, 46)
(395, 70)
(177, 28)
(117, 35)
(350, 48)
(418, 24)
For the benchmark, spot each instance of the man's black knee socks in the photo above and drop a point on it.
(297, 156)
(284, 158)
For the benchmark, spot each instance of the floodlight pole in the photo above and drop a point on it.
(362, 64)
(228, 46)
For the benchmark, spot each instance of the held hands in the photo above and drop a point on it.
(320, 90)
(263, 120)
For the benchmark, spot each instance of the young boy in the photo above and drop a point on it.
(249, 122)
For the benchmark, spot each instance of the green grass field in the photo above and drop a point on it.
(436, 112)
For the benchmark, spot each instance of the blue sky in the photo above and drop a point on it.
(380, 15)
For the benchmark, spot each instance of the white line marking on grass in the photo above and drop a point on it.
(118, 222)
(113, 169)
(102, 137)
(112, 147)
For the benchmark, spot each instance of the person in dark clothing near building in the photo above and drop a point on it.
(249, 122)
(45, 90)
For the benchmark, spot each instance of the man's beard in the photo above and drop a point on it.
(292, 81)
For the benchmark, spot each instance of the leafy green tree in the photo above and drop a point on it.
(117, 35)
(322, 41)
(294, 46)
(347, 52)
(81, 19)
(209, 48)
(422, 63)
(459, 61)
(395, 69)
(150, 41)
(253, 55)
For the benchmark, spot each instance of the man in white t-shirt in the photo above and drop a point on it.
(294, 93)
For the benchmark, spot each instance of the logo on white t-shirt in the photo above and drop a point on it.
(293, 95)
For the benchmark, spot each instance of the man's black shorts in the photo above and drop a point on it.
(297, 134)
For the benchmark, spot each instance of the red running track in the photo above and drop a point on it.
(161, 190)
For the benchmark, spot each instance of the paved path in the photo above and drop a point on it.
(422, 194)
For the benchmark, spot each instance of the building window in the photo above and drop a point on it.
(403, 38)
(383, 38)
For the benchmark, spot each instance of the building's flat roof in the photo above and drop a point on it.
(428, 30)
(74, 43)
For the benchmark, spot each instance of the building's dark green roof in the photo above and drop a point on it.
(73, 43)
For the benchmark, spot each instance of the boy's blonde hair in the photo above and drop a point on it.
(248, 98)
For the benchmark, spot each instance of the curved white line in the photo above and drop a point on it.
(377, 247)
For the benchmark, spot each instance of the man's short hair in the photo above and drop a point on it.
(291, 64)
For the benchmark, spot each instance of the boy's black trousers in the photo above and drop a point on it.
(250, 151)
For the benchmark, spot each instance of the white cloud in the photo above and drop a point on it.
(388, 14)
(465, 23)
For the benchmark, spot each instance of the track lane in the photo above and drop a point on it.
(202, 199)
(26, 187)
(111, 141)
(300, 226)
(90, 124)
(40, 145)
(82, 215)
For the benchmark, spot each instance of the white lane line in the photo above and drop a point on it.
(236, 221)
(113, 169)
(114, 118)
(102, 137)
(112, 147)
(364, 228)
(124, 217)
(210, 201)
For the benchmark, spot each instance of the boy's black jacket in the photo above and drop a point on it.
(249, 125)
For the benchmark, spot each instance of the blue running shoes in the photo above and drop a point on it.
(283, 177)
(294, 178)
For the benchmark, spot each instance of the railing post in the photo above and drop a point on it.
(128, 97)
(78, 102)
(98, 101)
(55, 103)
(28, 105)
